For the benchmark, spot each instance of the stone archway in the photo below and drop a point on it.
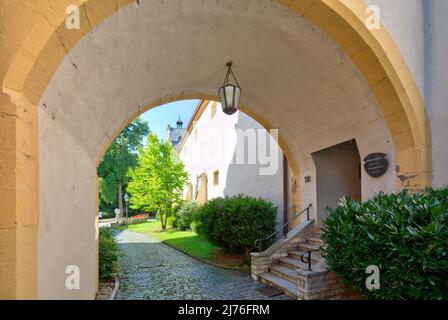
(53, 61)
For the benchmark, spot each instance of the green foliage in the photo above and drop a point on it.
(405, 235)
(119, 157)
(234, 223)
(108, 254)
(186, 214)
(194, 226)
(108, 215)
(106, 207)
(158, 179)
(171, 222)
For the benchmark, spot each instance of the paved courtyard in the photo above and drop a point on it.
(150, 269)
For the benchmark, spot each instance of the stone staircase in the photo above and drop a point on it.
(284, 272)
(281, 266)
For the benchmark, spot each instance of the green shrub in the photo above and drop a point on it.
(194, 226)
(234, 223)
(171, 222)
(108, 254)
(185, 215)
(107, 215)
(405, 235)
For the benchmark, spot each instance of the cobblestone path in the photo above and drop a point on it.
(150, 269)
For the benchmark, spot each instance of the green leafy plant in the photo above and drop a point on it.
(114, 166)
(186, 215)
(194, 226)
(405, 235)
(234, 223)
(156, 183)
(108, 254)
(107, 215)
(171, 222)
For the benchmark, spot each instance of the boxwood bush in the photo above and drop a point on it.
(186, 215)
(234, 223)
(405, 235)
(108, 254)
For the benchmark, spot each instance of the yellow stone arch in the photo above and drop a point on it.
(372, 51)
(47, 42)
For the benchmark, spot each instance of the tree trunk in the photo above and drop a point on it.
(166, 218)
(120, 198)
(162, 219)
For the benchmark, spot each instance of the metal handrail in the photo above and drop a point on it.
(308, 252)
(259, 242)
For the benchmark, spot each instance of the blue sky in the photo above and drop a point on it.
(158, 118)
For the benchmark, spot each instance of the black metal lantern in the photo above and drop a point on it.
(230, 94)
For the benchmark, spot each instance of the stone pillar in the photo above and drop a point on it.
(259, 264)
(19, 199)
(202, 191)
(189, 193)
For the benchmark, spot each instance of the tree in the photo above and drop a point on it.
(119, 157)
(158, 179)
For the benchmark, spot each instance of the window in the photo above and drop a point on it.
(216, 178)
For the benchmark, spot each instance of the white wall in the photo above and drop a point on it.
(419, 29)
(436, 59)
(213, 146)
(67, 208)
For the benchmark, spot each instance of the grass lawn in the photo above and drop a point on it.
(187, 241)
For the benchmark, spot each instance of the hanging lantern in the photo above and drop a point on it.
(230, 94)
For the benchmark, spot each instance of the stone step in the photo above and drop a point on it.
(293, 263)
(289, 288)
(315, 240)
(308, 246)
(295, 254)
(284, 272)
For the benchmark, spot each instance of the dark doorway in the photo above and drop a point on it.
(338, 174)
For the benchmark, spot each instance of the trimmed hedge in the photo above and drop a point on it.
(234, 223)
(405, 235)
(108, 254)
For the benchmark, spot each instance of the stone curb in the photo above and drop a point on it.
(244, 269)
